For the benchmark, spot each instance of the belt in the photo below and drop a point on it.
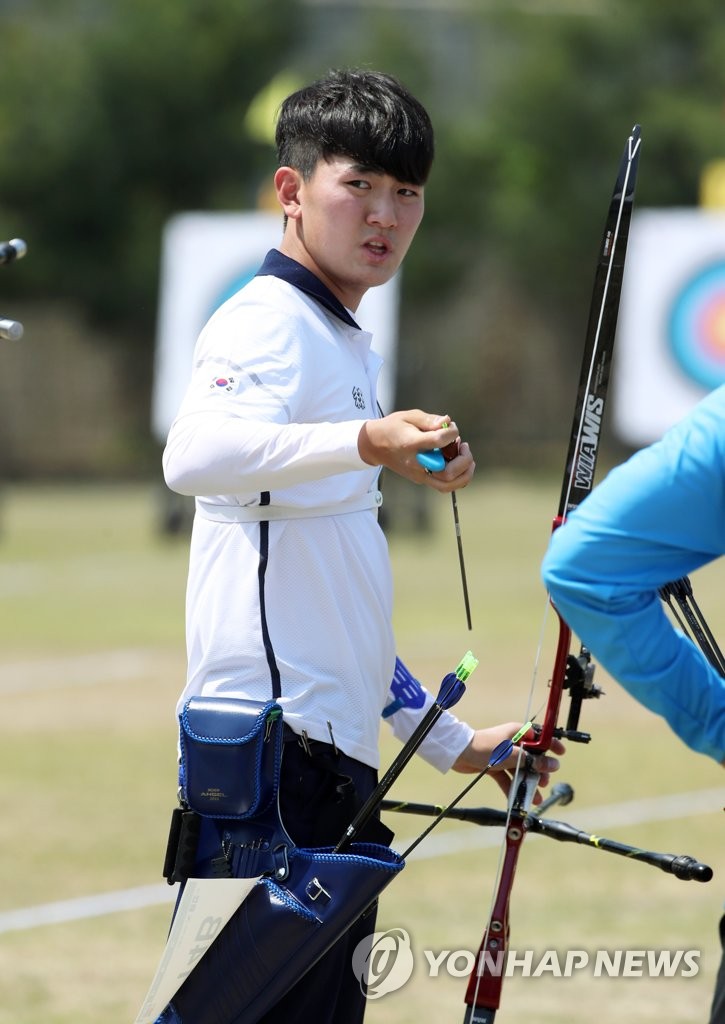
(261, 513)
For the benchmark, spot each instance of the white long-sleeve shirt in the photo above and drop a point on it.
(289, 587)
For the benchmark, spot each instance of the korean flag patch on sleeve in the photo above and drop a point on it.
(223, 384)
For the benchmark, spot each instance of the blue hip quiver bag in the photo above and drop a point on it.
(306, 899)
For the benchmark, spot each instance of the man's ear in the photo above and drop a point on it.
(287, 182)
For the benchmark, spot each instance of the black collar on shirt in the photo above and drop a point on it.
(276, 264)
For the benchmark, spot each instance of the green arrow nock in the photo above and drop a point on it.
(466, 665)
(521, 732)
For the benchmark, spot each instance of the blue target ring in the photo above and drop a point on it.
(696, 327)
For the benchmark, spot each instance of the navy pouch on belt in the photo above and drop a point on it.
(231, 751)
(228, 824)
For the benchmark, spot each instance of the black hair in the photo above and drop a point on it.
(365, 115)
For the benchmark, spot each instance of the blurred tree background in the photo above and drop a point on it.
(117, 114)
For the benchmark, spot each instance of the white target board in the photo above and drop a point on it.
(671, 344)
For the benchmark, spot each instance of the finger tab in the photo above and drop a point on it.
(450, 451)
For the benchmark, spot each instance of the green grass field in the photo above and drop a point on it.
(91, 663)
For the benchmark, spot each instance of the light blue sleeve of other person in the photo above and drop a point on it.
(656, 518)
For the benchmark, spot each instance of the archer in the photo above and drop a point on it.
(279, 438)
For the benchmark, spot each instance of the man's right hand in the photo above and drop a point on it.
(395, 440)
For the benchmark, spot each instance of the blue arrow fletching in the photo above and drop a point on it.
(500, 753)
(455, 695)
(451, 691)
(452, 688)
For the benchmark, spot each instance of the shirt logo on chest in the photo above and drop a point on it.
(358, 398)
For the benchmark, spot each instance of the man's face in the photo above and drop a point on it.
(350, 226)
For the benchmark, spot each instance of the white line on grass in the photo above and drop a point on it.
(631, 812)
(86, 906)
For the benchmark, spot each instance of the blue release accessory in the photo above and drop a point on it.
(433, 461)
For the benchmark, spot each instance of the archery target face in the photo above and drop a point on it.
(670, 349)
(697, 326)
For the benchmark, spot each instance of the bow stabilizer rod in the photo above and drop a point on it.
(680, 865)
